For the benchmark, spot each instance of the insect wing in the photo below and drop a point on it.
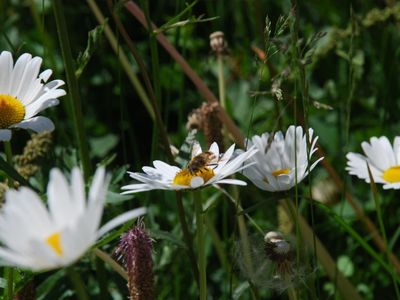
(196, 149)
(185, 151)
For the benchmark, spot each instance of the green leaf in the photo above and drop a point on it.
(164, 235)
(117, 198)
(46, 286)
(345, 265)
(95, 36)
(100, 146)
(339, 220)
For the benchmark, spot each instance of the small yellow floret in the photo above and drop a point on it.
(54, 241)
(11, 111)
(184, 176)
(392, 174)
(276, 173)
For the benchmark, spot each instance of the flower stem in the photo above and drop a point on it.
(8, 151)
(186, 235)
(9, 271)
(9, 291)
(78, 284)
(111, 262)
(221, 81)
(200, 244)
(347, 290)
(375, 195)
(74, 97)
(122, 57)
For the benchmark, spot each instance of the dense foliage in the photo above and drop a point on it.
(329, 65)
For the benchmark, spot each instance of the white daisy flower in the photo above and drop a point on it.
(23, 94)
(205, 168)
(383, 160)
(275, 162)
(37, 238)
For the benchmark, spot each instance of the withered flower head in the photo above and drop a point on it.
(218, 43)
(205, 118)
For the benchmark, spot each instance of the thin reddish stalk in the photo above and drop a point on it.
(135, 10)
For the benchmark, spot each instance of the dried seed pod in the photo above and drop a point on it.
(218, 43)
(277, 248)
(205, 118)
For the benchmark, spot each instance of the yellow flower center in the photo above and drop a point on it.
(276, 173)
(11, 111)
(392, 174)
(184, 176)
(54, 241)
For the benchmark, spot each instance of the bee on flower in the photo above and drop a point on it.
(24, 93)
(204, 168)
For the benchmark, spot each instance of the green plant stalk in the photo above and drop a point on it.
(201, 244)
(9, 155)
(10, 283)
(219, 246)
(221, 81)
(39, 23)
(111, 262)
(9, 271)
(292, 294)
(382, 227)
(8, 152)
(123, 59)
(73, 88)
(347, 290)
(78, 284)
(244, 240)
(12, 173)
(360, 240)
(154, 97)
(240, 210)
(305, 97)
(135, 10)
(295, 58)
(8, 292)
(156, 81)
(101, 279)
(154, 54)
(187, 237)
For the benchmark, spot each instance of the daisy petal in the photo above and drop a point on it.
(5, 135)
(37, 124)
(132, 214)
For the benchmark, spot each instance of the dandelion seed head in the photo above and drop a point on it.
(274, 264)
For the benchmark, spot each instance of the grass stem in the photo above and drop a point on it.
(201, 244)
(78, 284)
(9, 158)
(186, 235)
(111, 262)
(73, 88)
(221, 81)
